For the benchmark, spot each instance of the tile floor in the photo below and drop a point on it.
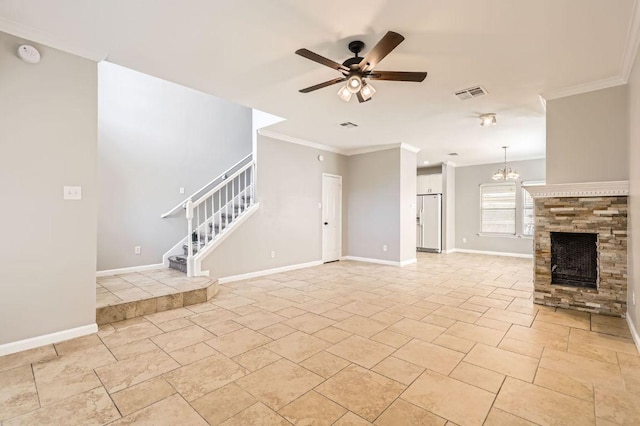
(117, 289)
(452, 340)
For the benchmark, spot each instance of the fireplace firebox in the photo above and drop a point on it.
(574, 259)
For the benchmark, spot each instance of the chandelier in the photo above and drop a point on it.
(505, 173)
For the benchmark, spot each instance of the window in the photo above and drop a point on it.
(528, 220)
(498, 208)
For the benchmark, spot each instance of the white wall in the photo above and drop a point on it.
(289, 220)
(467, 204)
(587, 137)
(633, 265)
(48, 139)
(408, 190)
(448, 207)
(155, 137)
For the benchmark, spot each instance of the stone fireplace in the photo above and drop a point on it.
(580, 246)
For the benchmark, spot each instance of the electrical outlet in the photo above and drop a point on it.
(273, 254)
(384, 247)
(182, 190)
(72, 193)
(137, 250)
(464, 240)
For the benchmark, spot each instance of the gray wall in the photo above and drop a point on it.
(155, 137)
(408, 190)
(374, 200)
(467, 202)
(634, 197)
(587, 137)
(289, 220)
(48, 137)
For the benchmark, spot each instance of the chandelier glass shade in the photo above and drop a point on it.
(505, 173)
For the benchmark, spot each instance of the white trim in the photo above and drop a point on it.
(633, 41)
(322, 214)
(108, 272)
(370, 260)
(298, 141)
(47, 339)
(48, 39)
(409, 262)
(583, 189)
(492, 253)
(410, 148)
(632, 329)
(240, 277)
(376, 148)
(578, 89)
(448, 251)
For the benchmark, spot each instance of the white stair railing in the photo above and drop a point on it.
(216, 211)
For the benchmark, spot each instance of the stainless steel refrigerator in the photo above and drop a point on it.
(429, 223)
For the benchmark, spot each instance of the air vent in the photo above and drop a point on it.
(472, 92)
(453, 154)
(348, 125)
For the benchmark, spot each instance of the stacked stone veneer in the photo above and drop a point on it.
(605, 216)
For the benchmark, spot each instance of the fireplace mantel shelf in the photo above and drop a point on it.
(583, 189)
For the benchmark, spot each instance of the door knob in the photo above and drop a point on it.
(326, 223)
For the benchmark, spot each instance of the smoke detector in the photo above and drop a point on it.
(29, 54)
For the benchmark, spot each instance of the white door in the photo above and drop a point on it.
(331, 217)
(431, 222)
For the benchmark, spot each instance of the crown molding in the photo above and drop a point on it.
(298, 141)
(47, 39)
(584, 189)
(410, 148)
(633, 41)
(605, 83)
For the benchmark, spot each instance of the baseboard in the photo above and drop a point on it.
(409, 262)
(634, 332)
(371, 260)
(491, 253)
(262, 273)
(47, 339)
(108, 272)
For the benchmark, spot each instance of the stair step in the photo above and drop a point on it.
(178, 263)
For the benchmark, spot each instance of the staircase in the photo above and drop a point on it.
(213, 215)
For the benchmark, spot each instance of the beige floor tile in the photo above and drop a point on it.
(223, 327)
(259, 320)
(502, 418)
(439, 321)
(80, 343)
(142, 395)
(561, 330)
(297, 346)
(476, 333)
(398, 370)
(237, 342)
(170, 411)
(277, 331)
(130, 334)
(182, 338)
(402, 412)
(232, 302)
(277, 384)
(508, 316)
(581, 368)
(449, 398)
(362, 391)
(77, 362)
(445, 300)
(134, 370)
(362, 308)
(478, 376)
(257, 358)
(564, 384)
(196, 380)
(427, 355)
(207, 319)
(257, 414)
(361, 351)
(504, 362)
(473, 307)
(89, 408)
(290, 312)
(610, 325)
(362, 326)
(332, 334)
(539, 337)
(324, 364)
(192, 353)
(495, 324)
(309, 323)
(617, 406)
(453, 342)
(417, 329)
(488, 302)
(604, 341)
(598, 353)
(223, 403)
(18, 393)
(64, 386)
(558, 408)
(31, 356)
(337, 314)
(567, 318)
(457, 314)
(351, 419)
(409, 311)
(521, 347)
(133, 349)
(179, 323)
(391, 338)
(312, 408)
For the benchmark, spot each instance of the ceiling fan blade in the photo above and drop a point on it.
(397, 75)
(305, 53)
(361, 99)
(389, 42)
(321, 85)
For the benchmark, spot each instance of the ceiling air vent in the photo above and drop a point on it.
(472, 92)
(348, 125)
(453, 154)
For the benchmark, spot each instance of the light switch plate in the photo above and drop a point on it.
(72, 193)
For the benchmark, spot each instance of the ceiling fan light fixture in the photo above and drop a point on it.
(354, 84)
(488, 119)
(344, 93)
(367, 91)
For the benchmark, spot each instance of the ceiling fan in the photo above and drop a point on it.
(355, 70)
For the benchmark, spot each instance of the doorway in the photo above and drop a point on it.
(331, 217)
